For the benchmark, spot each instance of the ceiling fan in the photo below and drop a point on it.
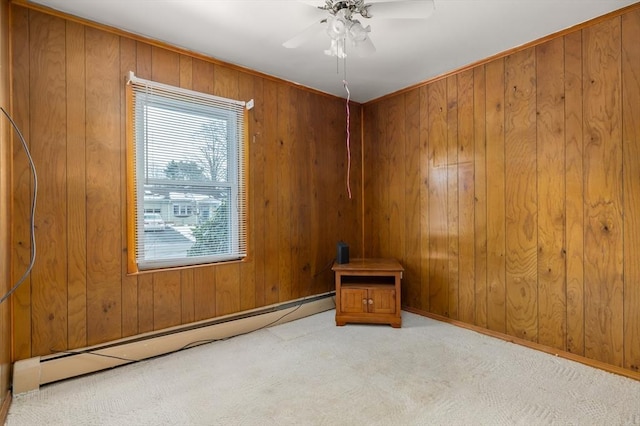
(345, 30)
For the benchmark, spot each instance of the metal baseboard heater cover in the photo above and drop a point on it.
(30, 374)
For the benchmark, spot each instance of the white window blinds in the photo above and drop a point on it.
(188, 188)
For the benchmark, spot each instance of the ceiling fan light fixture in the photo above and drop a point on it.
(357, 33)
(336, 48)
(341, 28)
(338, 25)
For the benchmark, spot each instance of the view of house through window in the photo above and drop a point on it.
(188, 153)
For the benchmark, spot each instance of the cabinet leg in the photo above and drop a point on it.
(341, 323)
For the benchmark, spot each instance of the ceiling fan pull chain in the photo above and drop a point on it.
(348, 138)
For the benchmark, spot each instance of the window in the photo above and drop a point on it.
(182, 210)
(186, 156)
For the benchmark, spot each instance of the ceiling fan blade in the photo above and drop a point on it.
(403, 9)
(306, 35)
(365, 47)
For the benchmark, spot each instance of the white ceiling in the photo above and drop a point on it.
(250, 33)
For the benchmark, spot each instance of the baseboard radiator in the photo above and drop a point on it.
(30, 374)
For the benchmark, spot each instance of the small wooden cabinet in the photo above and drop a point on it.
(368, 291)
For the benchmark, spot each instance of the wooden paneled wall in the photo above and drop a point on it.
(68, 98)
(511, 192)
(6, 132)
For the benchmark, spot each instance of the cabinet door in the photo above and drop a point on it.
(353, 300)
(382, 300)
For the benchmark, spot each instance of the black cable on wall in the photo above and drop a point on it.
(34, 196)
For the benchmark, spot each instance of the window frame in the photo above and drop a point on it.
(236, 170)
(184, 209)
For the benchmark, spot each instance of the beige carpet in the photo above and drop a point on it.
(310, 372)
